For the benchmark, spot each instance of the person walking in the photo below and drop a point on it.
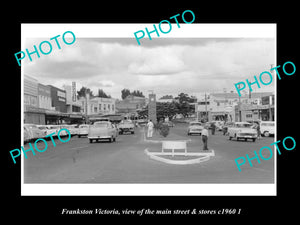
(204, 135)
(150, 126)
(258, 131)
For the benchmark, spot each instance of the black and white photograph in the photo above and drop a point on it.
(107, 115)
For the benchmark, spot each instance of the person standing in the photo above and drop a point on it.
(204, 135)
(150, 126)
(258, 131)
(213, 128)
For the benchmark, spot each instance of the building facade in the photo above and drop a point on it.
(58, 99)
(97, 105)
(231, 107)
(32, 112)
(44, 97)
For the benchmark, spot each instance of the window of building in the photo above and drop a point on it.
(99, 107)
(108, 106)
(248, 115)
(113, 107)
(104, 106)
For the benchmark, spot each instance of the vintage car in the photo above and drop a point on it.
(195, 128)
(34, 131)
(83, 130)
(102, 130)
(242, 130)
(46, 130)
(71, 127)
(267, 128)
(27, 135)
(126, 126)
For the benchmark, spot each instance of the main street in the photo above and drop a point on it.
(124, 161)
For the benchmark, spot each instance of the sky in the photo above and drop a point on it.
(164, 65)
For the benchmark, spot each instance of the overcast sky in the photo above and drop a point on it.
(164, 65)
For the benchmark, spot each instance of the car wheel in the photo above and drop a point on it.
(132, 132)
(229, 137)
(246, 139)
(114, 139)
(253, 139)
(79, 136)
(266, 134)
(91, 140)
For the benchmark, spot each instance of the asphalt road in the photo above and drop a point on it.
(124, 161)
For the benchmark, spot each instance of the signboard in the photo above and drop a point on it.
(73, 91)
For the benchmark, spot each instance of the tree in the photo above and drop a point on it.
(82, 92)
(125, 92)
(102, 94)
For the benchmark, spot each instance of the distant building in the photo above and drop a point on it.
(97, 105)
(223, 106)
(129, 106)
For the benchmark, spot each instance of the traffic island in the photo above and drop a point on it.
(175, 152)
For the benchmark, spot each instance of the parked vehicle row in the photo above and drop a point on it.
(33, 131)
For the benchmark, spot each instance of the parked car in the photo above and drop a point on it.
(54, 129)
(226, 126)
(195, 128)
(45, 129)
(126, 126)
(267, 128)
(27, 135)
(34, 131)
(71, 127)
(83, 130)
(242, 130)
(102, 130)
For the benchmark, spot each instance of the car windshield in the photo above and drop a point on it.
(42, 128)
(101, 124)
(244, 125)
(195, 124)
(83, 126)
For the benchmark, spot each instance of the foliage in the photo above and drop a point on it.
(164, 130)
(126, 92)
(83, 91)
(102, 94)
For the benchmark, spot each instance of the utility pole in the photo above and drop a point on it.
(206, 108)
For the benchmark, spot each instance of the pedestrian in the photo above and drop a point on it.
(150, 126)
(213, 128)
(258, 131)
(204, 135)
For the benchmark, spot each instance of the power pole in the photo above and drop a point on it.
(206, 108)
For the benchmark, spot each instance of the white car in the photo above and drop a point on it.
(242, 130)
(195, 128)
(267, 128)
(46, 130)
(83, 130)
(34, 131)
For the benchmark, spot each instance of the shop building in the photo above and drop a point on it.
(32, 113)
